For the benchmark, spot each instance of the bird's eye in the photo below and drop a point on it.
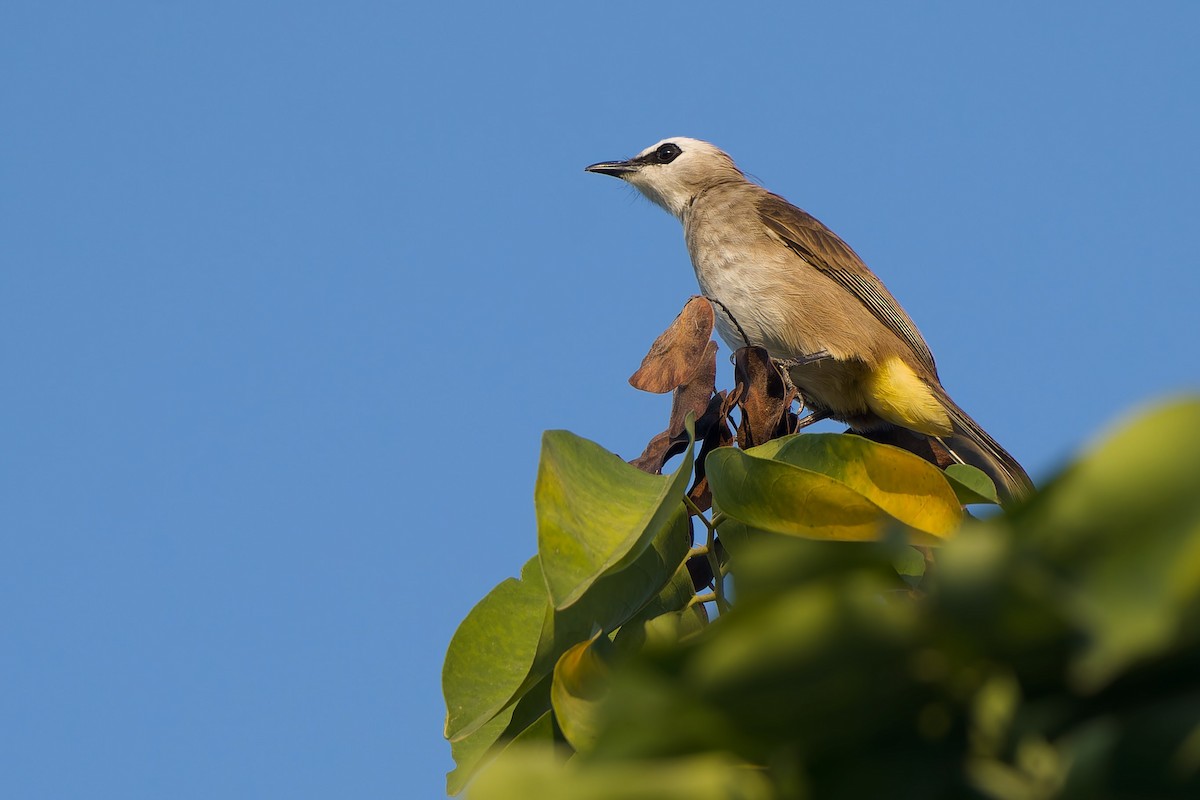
(667, 153)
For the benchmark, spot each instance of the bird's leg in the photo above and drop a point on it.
(789, 388)
(785, 365)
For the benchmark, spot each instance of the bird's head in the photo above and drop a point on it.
(672, 172)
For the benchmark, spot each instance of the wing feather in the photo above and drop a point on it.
(824, 250)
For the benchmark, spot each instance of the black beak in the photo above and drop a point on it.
(618, 169)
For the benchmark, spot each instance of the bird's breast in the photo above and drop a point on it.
(759, 296)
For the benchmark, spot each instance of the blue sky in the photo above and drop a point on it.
(290, 291)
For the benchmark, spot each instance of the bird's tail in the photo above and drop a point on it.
(973, 445)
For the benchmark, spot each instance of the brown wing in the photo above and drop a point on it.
(823, 249)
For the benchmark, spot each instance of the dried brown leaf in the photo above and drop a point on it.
(766, 397)
(656, 454)
(676, 355)
(712, 430)
(694, 396)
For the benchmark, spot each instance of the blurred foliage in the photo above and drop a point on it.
(873, 640)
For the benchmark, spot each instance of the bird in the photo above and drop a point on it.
(781, 280)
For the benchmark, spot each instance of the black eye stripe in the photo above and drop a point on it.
(665, 153)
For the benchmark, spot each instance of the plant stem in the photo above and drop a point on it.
(687, 501)
(709, 549)
(715, 565)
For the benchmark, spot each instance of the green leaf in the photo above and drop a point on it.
(596, 514)
(904, 485)
(1054, 652)
(809, 628)
(482, 665)
(672, 602)
(972, 485)
(775, 496)
(537, 772)
(492, 652)
(780, 497)
(617, 597)
(910, 564)
(675, 596)
(816, 664)
(540, 731)
(771, 447)
(736, 537)
(470, 752)
(581, 679)
(526, 720)
(765, 562)
(1124, 523)
(667, 629)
